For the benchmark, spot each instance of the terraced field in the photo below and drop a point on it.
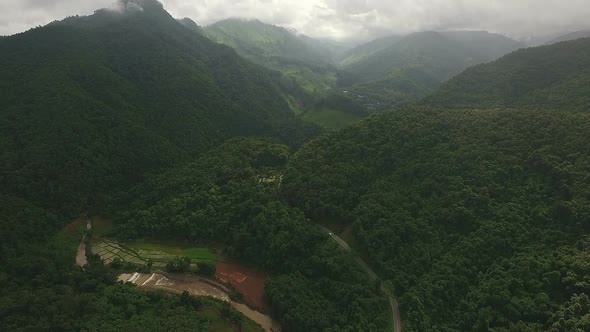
(141, 252)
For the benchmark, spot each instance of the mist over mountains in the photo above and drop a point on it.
(159, 172)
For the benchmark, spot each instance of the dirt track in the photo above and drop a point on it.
(397, 322)
(81, 259)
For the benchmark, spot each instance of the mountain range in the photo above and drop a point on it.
(555, 76)
(118, 94)
(450, 190)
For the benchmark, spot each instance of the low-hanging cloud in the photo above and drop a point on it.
(340, 18)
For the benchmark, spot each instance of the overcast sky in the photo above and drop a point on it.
(340, 18)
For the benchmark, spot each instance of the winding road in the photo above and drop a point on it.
(397, 322)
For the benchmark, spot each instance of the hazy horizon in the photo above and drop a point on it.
(340, 19)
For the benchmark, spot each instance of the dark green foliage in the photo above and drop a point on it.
(230, 196)
(258, 41)
(552, 77)
(90, 105)
(42, 290)
(206, 269)
(179, 264)
(477, 217)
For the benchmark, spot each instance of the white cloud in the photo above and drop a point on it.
(339, 18)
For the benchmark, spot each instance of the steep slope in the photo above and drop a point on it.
(441, 54)
(92, 104)
(259, 41)
(365, 50)
(230, 196)
(489, 46)
(554, 76)
(570, 36)
(478, 219)
(414, 66)
(308, 79)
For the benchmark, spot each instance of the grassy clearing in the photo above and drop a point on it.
(330, 118)
(159, 252)
(140, 253)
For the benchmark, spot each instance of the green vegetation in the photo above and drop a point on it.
(479, 219)
(307, 73)
(142, 253)
(92, 105)
(221, 197)
(150, 249)
(395, 71)
(474, 219)
(330, 118)
(223, 319)
(364, 51)
(300, 61)
(552, 77)
(44, 291)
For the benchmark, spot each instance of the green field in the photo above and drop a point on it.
(142, 252)
(330, 118)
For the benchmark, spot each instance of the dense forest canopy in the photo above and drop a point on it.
(477, 217)
(473, 207)
(93, 104)
(43, 290)
(230, 196)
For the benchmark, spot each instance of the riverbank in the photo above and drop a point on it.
(196, 286)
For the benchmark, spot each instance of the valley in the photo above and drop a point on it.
(322, 167)
(195, 286)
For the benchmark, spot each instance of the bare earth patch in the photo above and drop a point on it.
(247, 281)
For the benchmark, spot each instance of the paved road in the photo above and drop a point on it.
(397, 322)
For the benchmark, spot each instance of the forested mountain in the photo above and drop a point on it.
(474, 219)
(479, 218)
(396, 72)
(555, 76)
(230, 196)
(570, 36)
(438, 54)
(93, 104)
(309, 77)
(361, 52)
(260, 41)
(489, 46)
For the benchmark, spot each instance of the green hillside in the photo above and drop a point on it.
(554, 77)
(93, 104)
(366, 50)
(259, 41)
(230, 196)
(307, 74)
(478, 218)
(393, 71)
(442, 55)
(570, 36)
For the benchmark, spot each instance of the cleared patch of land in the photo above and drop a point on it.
(141, 253)
(196, 286)
(247, 281)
